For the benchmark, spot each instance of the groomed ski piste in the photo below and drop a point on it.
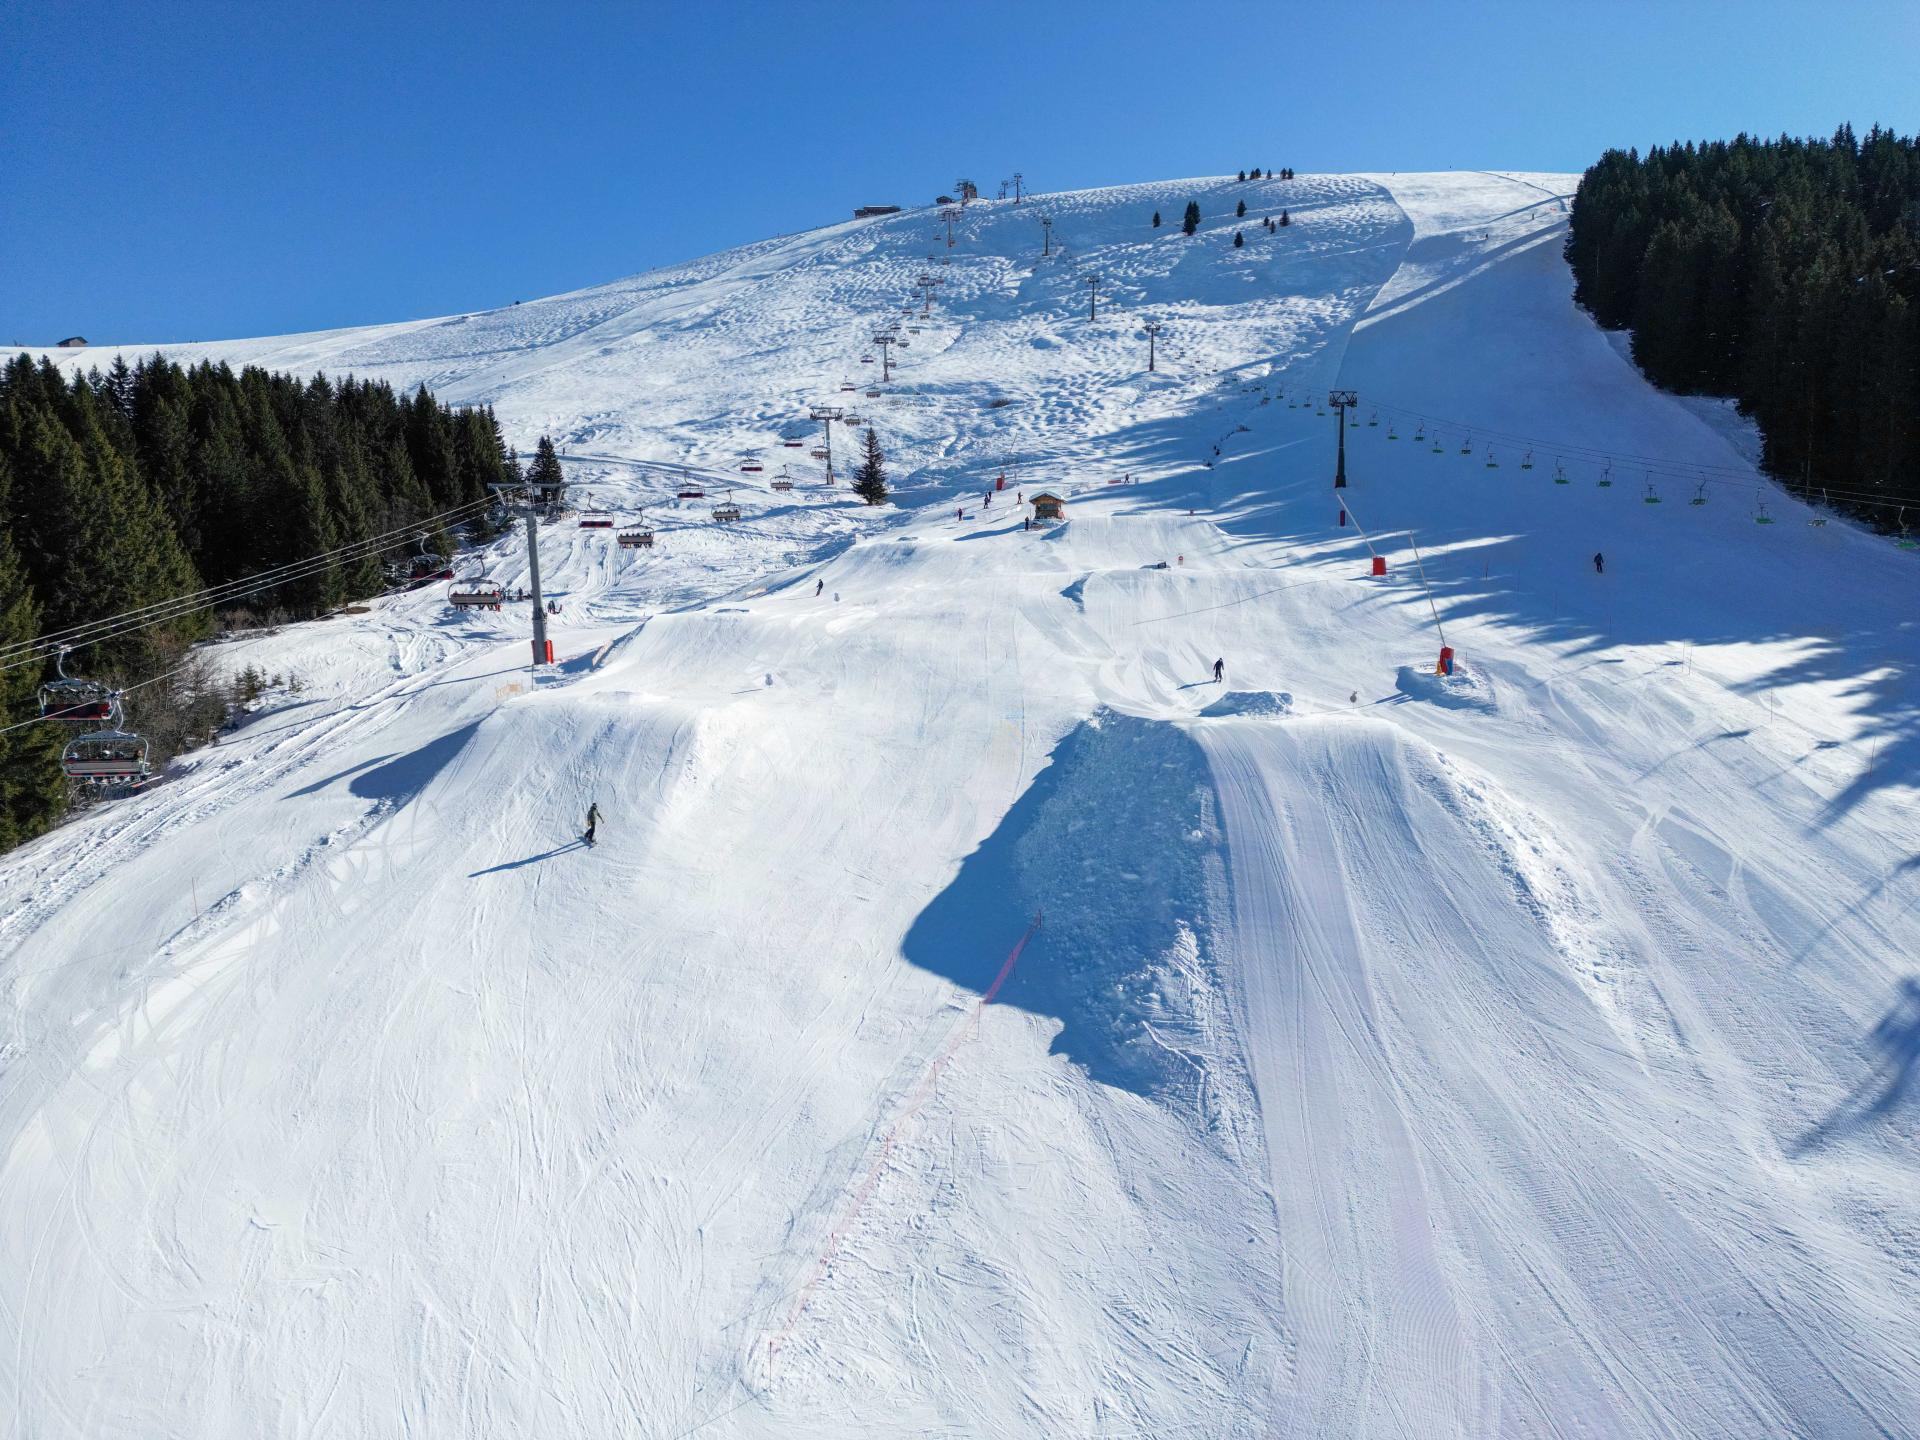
(973, 1020)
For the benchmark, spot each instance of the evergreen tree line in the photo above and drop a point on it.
(124, 489)
(1784, 273)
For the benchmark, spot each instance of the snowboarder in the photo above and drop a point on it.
(818, 586)
(1219, 669)
(593, 820)
(986, 502)
(1599, 563)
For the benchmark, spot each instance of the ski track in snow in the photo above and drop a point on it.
(1526, 1053)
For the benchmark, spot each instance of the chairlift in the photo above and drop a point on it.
(1420, 433)
(1526, 462)
(596, 520)
(726, 512)
(793, 444)
(1652, 497)
(1699, 494)
(866, 359)
(1373, 420)
(819, 452)
(783, 481)
(641, 539)
(74, 699)
(847, 387)
(105, 757)
(1760, 516)
(1605, 482)
(1391, 433)
(1438, 448)
(873, 394)
(1560, 473)
(1492, 464)
(1466, 446)
(477, 593)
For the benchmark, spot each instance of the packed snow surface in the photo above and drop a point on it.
(974, 1020)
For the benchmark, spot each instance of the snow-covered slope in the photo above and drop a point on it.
(974, 1021)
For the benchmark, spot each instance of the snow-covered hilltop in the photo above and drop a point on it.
(973, 1019)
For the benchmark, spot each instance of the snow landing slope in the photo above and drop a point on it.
(974, 1021)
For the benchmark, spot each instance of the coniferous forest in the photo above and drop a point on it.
(122, 489)
(1784, 273)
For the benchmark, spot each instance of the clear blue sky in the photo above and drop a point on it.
(175, 170)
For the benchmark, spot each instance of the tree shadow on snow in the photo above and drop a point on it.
(1897, 1037)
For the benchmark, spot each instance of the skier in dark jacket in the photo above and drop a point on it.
(1599, 563)
(593, 820)
(1219, 670)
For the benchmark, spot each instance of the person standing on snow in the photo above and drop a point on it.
(1219, 669)
(818, 586)
(593, 820)
(1599, 563)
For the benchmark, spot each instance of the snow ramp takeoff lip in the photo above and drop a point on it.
(1491, 1211)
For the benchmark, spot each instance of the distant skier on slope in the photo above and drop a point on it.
(1219, 670)
(1599, 563)
(593, 820)
(818, 586)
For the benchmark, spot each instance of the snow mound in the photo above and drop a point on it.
(1251, 702)
(1464, 689)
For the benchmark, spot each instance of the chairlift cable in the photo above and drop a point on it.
(94, 631)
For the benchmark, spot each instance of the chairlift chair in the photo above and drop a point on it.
(596, 520)
(1652, 497)
(641, 539)
(1605, 482)
(105, 757)
(818, 452)
(477, 593)
(1760, 516)
(1373, 420)
(75, 699)
(1526, 461)
(1699, 494)
(1492, 464)
(751, 467)
(793, 444)
(1466, 446)
(1560, 474)
(726, 512)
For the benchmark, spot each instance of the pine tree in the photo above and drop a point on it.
(1240, 210)
(1156, 219)
(1191, 221)
(1241, 176)
(870, 476)
(544, 473)
(1238, 240)
(32, 791)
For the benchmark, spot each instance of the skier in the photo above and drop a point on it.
(593, 820)
(1027, 524)
(1599, 563)
(986, 502)
(818, 586)
(1219, 669)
